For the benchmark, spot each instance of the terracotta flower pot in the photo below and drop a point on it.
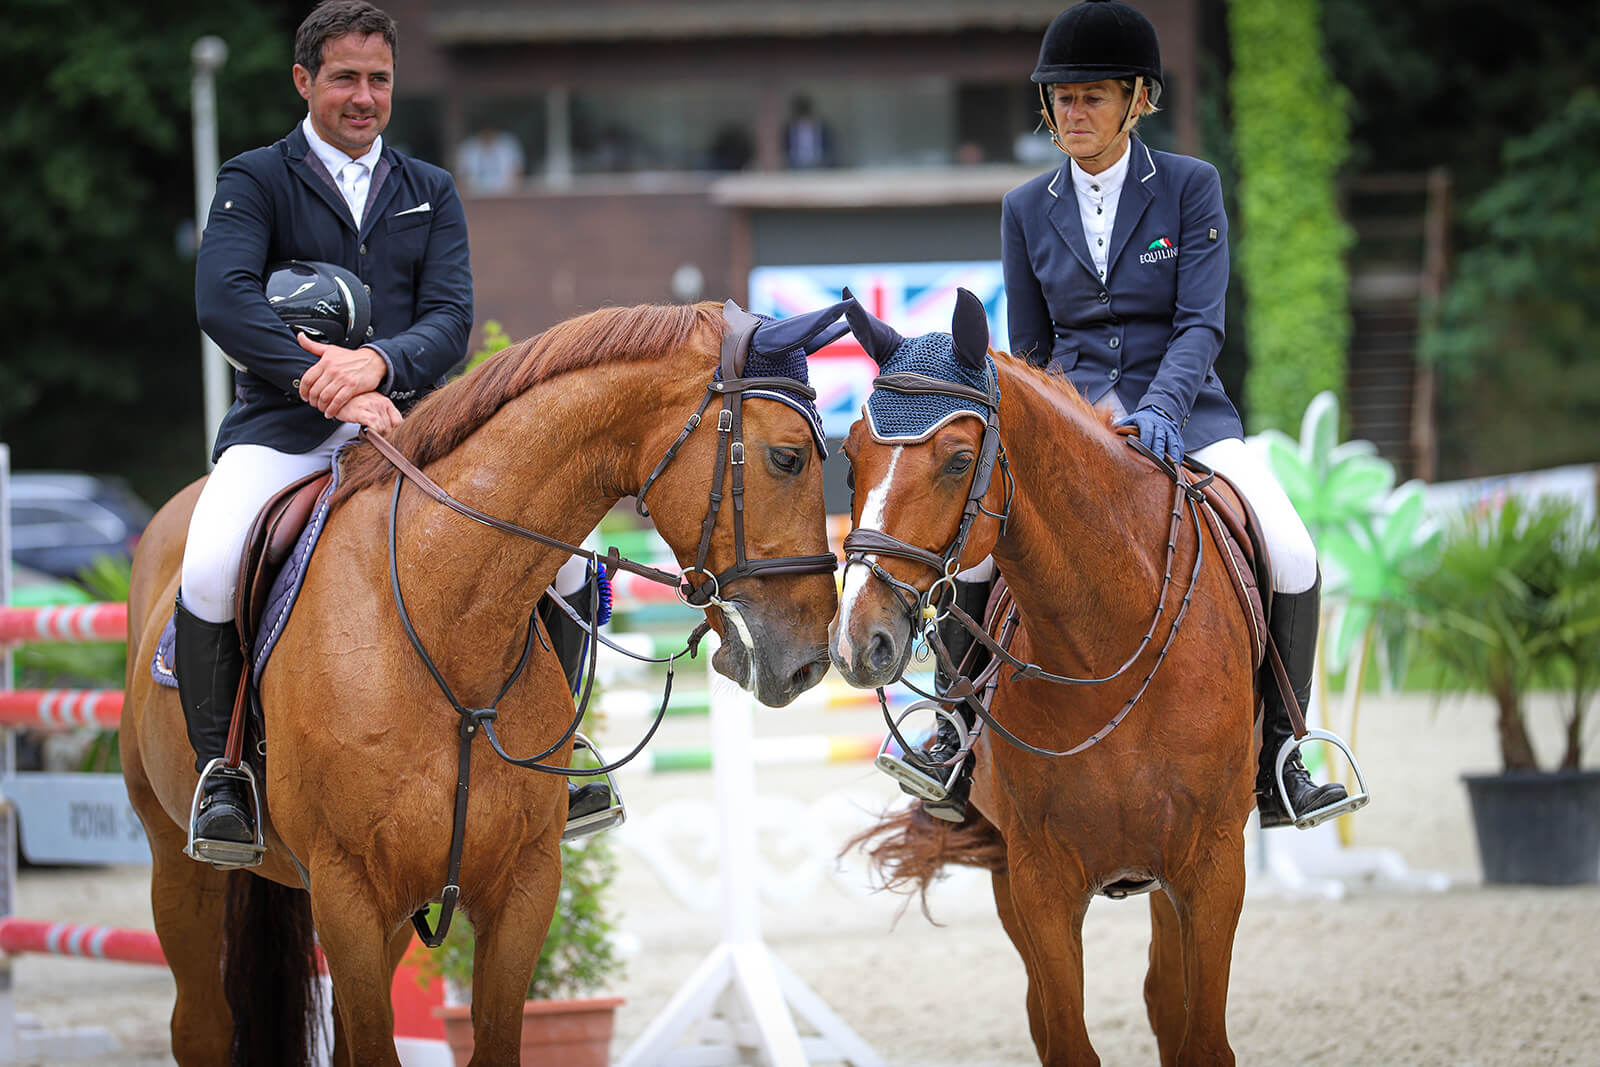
(573, 1033)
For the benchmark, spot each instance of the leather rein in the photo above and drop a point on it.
(730, 443)
(927, 608)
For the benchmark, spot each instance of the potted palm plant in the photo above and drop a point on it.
(1514, 603)
(562, 1020)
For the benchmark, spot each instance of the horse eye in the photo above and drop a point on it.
(785, 460)
(959, 464)
(850, 479)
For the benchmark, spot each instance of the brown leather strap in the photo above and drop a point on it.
(433, 489)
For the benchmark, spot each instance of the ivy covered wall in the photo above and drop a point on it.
(1290, 136)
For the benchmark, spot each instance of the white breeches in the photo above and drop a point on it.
(1294, 556)
(245, 477)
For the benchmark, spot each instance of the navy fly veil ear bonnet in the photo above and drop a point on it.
(777, 348)
(960, 358)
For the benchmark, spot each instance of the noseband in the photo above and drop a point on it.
(859, 544)
(730, 443)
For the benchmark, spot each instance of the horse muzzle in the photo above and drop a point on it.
(869, 649)
(764, 657)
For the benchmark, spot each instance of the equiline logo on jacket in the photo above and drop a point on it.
(1161, 248)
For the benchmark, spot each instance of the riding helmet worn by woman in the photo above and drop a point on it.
(1116, 273)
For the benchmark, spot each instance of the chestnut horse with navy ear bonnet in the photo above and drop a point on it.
(1159, 801)
(362, 771)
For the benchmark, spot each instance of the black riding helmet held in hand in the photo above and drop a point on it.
(325, 302)
(1098, 40)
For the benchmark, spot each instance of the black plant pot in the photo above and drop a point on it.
(1537, 829)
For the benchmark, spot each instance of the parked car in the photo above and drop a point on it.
(61, 521)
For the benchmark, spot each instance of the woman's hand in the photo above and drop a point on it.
(1159, 432)
(372, 410)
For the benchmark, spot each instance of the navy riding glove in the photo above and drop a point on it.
(1159, 432)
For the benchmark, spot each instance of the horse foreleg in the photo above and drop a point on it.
(508, 940)
(356, 940)
(1050, 915)
(343, 1056)
(1207, 902)
(1163, 982)
(1001, 884)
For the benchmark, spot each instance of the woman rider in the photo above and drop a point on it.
(1116, 271)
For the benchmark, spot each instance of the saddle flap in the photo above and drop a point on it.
(273, 534)
(1236, 528)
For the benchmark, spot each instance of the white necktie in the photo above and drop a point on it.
(351, 185)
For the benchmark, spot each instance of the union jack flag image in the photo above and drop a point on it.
(914, 298)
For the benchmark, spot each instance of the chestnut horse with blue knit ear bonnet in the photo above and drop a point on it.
(362, 768)
(1078, 524)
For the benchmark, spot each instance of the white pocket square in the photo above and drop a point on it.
(424, 206)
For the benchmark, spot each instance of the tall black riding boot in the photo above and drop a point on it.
(970, 658)
(1294, 631)
(209, 663)
(569, 641)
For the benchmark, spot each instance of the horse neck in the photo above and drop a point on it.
(1086, 542)
(554, 460)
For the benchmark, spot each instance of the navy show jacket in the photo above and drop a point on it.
(277, 203)
(1153, 329)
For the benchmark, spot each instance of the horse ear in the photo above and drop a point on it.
(969, 327)
(876, 336)
(736, 343)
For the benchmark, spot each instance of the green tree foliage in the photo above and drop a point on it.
(101, 368)
(1290, 138)
(1516, 330)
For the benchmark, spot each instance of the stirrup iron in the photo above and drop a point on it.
(596, 821)
(1355, 800)
(929, 783)
(226, 855)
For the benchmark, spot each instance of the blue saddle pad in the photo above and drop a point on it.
(280, 600)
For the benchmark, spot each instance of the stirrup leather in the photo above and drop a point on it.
(1355, 800)
(920, 780)
(226, 855)
(596, 821)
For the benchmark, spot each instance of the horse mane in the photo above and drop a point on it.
(448, 416)
(1056, 384)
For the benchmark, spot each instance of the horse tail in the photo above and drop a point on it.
(269, 973)
(907, 849)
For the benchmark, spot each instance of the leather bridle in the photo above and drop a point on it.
(925, 607)
(731, 386)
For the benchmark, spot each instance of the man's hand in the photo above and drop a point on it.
(372, 410)
(339, 375)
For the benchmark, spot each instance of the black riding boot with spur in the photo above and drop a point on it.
(1294, 631)
(209, 664)
(971, 658)
(568, 640)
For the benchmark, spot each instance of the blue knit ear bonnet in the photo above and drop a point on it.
(961, 356)
(778, 349)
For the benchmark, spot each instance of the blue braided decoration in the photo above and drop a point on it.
(603, 588)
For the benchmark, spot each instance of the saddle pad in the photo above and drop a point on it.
(279, 602)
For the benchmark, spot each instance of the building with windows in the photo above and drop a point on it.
(665, 148)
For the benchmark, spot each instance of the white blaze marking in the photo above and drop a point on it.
(856, 579)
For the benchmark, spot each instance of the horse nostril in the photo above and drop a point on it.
(880, 650)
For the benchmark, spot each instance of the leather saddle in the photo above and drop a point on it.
(273, 535)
